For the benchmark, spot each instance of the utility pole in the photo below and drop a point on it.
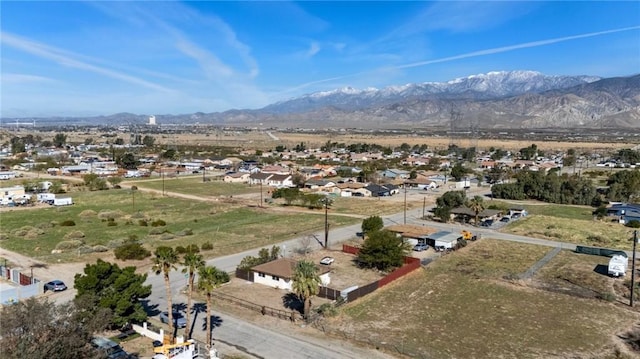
(260, 194)
(424, 206)
(405, 203)
(204, 170)
(633, 266)
(326, 223)
(162, 173)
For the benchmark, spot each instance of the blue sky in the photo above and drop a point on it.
(80, 58)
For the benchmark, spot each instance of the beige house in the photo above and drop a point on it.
(236, 177)
(279, 273)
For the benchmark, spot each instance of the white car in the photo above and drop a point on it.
(327, 260)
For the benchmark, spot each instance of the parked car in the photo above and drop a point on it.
(439, 248)
(420, 247)
(505, 219)
(178, 319)
(486, 223)
(327, 260)
(110, 348)
(55, 286)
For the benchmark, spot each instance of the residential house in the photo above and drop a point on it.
(411, 233)
(466, 214)
(626, 212)
(279, 273)
(375, 190)
(236, 177)
(280, 181)
(276, 169)
(352, 189)
(11, 194)
(445, 239)
(259, 178)
(394, 173)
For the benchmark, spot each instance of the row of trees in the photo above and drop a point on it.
(621, 186)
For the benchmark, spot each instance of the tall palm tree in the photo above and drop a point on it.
(210, 278)
(164, 261)
(192, 262)
(306, 283)
(476, 204)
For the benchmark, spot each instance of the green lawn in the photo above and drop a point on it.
(230, 228)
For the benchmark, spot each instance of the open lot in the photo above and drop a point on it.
(466, 305)
(109, 217)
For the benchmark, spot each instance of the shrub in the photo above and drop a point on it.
(66, 245)
(192, 248)
(67, 223)
(74, 235)
(100, 248)
(4, 236)
(20, 232)
(115, 243)
(158, 223)
(112, 224)
(207, 246)
(88, 213)
(142, 222)
(110, 214)
(185, 232)
(157, 231)
(181, 250)
(633, 224)
(131, 251)
(327, 310)
(84, 249)
(167, 236)
(44, 225)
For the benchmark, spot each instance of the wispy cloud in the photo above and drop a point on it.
(525, 45)
(460, 16)
(24, 78)
(313, 49)
(69, 59)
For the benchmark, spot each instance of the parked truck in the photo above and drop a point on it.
(618, 265)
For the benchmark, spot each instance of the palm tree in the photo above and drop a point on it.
(192, 262)
(476, 204)
(306, 283)
(164, 261)
(209, 279)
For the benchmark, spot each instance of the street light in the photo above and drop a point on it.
(326, 201)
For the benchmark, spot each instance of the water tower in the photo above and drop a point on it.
(152, 120)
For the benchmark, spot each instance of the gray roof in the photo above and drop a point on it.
(444, 236)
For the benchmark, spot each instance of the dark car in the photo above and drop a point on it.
(55, 286)
(505, 219)
(110, 348)
(487, 223)
(178, 319)
(420, 247)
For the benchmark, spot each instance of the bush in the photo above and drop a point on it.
(181, 250)
(100, 248)
(44, 225)
(4, 236)
(131, 251)
(74, 235)
(167, 236)
(110, 214)
(207, 246)
(112, 224)
(158, 223)
(67, 223)
(87, 213)
(327, 310)
(115, 243)
(157, 231)
(142, 222)
(633, 224)
(84, 250)
(185, 232)
(192, 248)
(66, 245)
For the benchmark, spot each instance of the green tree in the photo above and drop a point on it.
(264, 256)
(17, 145)
(458, 171)
(94, 182)
(372, 224)
(383, 250)
(128, 161)
(192, 262)
(476, 204)
(209, 279)
(88, 141)
(164, 262)
(106, 285)
(148, 141)
(114, 181)
(59, 140)
(306, 283)
(119, 141)
(36, 328)
(452, 199)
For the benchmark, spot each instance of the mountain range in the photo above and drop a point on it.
(496, 100)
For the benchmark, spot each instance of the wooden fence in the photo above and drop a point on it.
(410, 264)
(329, 293)
(362, 291)
(350, 249)
(263, 309)
(244, 274)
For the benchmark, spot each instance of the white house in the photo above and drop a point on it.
(279, 273)
(9, 194)
(236, 177)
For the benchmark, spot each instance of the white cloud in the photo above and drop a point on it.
(68, 59)
(24, 78)
(313, 49)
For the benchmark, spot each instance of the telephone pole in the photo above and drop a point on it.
(326, 223)
(633, 266)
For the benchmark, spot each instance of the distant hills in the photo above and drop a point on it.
(505, 99)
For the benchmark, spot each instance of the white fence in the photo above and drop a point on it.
(21, 286)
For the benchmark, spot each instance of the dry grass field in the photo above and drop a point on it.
(466, 305)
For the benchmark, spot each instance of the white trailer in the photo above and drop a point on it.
(618, 265)
(62, 201)
(46, 197)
